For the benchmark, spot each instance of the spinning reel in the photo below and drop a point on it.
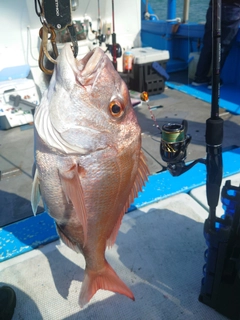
(173, 147)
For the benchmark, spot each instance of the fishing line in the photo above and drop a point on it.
(144, 97)
(29, 45)
(156, 160)
(87, 6)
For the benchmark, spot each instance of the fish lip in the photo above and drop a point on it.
(92, 62)
(67, 55)
(83, 68)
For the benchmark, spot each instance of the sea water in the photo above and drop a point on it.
(197, 9)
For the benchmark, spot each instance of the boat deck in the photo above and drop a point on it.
(160, 247)
(158, 254)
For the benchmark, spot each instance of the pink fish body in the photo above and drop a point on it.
(89, 163)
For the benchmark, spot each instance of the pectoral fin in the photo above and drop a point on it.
(35, 194)
(73, 190)
(141, 177)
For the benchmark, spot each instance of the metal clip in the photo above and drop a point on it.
(73, 37)
(43, 33)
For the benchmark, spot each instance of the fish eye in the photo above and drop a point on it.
(116, 109)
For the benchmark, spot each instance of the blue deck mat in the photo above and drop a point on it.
(229, 94)
(27, 234)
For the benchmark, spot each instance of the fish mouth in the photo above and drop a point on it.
(87, 68)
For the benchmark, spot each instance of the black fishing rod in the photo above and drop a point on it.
(101, 37)
(220, 287)
(114, 41)
(175, 139)
(214, 125)
(114, 48)
(99, 19)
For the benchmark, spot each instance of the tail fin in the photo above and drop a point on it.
(106, 279)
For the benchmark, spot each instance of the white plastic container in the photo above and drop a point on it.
(148, 54)
(144, 77)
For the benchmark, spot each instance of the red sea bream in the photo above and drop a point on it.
(89, 163)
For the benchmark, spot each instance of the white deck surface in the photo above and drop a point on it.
(199, 194)
(158, 254)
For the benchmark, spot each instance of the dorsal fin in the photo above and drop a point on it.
(141, 177)
(73, 191)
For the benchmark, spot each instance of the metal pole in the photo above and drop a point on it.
(146, 10)
(186, 11)
(171, 13)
